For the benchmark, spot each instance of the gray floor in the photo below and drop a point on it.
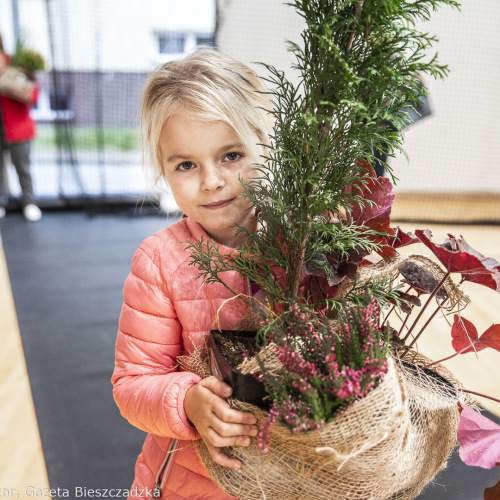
(67, 273)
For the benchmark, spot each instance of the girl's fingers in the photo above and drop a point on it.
(221, 459)
(226, 429)
(220, 406)
(216, 439)
(217, 387)
(227, 414)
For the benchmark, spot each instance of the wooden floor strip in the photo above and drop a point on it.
(459, 208)
(22, 463)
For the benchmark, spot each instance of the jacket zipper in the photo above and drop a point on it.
(161, 475)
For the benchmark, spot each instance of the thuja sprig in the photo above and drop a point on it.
(356, 67)
(207, 257)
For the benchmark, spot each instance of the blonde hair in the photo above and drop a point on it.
(208, 86)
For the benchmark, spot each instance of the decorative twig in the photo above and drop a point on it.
(403, 325)
(431, 296)
(450, 357)
(387, 315)
(392, 309)
(480, 394)
(438, 308)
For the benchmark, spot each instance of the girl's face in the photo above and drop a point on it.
(203, 163)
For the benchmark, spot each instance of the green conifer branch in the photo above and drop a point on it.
(357, 63)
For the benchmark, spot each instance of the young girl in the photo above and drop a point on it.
(202, 120)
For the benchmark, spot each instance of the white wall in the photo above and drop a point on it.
(256, 31)
(124, 30)
(457, 149)
(6, 26)
(112, 35)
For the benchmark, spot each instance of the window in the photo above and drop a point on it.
(171, 43)
(205, 40)
(174, 45)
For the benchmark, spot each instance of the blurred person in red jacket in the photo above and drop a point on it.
(17, 131)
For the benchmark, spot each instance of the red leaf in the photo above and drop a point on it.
(374, 215)
(491, 337)
(464, 335)
(479, 438)
(459, 257)
(493, 492)
(408, 301)
(401, 239)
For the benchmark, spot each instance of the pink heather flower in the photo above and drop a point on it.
(322, 366)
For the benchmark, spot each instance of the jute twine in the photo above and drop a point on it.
(388, 445)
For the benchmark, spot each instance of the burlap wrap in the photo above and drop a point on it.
(388, 445)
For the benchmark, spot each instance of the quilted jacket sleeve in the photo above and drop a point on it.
(148, 387)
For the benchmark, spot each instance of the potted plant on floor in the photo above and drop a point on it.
(348, 402)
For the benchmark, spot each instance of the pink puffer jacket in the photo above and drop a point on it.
(167, 311)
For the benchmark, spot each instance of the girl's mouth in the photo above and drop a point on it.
(218, 204)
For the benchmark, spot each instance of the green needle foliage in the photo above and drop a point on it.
(357, 65)
(27, 58)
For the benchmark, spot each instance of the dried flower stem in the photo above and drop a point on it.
(438, 308)
(391, 311)
(402, 327)
(480, 394)
(431, 296)
(387, 315)
(449, 357)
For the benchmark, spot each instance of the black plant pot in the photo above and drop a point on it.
(245, 387)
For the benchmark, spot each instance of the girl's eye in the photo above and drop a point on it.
(233, 156)
(186, 165)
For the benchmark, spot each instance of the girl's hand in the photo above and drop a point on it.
(219, 425)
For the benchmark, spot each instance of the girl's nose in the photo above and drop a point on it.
(212, 179)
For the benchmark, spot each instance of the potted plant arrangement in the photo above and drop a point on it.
(28, 59)
(21, 73)
(349, 409)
